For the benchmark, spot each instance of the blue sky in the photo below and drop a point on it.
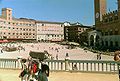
(56, 10)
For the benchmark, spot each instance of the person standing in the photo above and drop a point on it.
(43, 73)
(23, 74)
(67, 56)
(117, 58)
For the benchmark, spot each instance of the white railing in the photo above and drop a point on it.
(68, 65)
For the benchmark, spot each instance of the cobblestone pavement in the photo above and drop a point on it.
(12, 75)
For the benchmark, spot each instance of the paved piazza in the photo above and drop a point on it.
(74, 54)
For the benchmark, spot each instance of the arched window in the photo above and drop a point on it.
(111, 43)
(116, 43)
(106, 43)
(91, 40)
(102, 43)
(97, 40)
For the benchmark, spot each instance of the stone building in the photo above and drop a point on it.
(72, 31)
(16, 29)
(107, 33)
(29, 29)
(50, 31)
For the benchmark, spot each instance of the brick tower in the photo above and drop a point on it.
(7, 13)
(100, 9)
(119, 9)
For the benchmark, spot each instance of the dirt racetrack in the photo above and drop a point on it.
(12, 75)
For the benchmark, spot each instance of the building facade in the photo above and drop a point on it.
(50, 31)
(16, 29)
(107, 29)
(29, 29)
(72, 31)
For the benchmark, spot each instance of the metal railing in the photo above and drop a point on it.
(68, 65)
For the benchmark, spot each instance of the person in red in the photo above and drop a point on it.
(34, 70)
(35, 67)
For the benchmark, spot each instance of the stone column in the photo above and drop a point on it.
(95, 39)
(89, 39)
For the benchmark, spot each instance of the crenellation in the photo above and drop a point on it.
(110, 16)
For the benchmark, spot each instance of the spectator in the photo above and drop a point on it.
(67, 57)
(75, 67)
(23, 74)
(43, 73)
(117, 58)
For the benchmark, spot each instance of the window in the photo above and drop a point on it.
(111, 33)
(111, 43)
(116, 32)
(42, 24)
(9, 18)
(8, 27)
(106, 20)
(116, 44)
(106, 33)
(13, 23)
(16, 23)
(102, 43)
(33, 29)
(8, 22)
(106, 43)
(110, 19)
(29, 24)
(116, 17)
